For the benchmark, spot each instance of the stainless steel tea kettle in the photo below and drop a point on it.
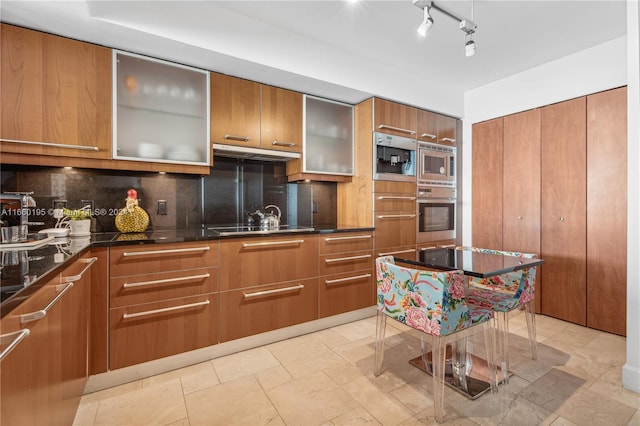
(269, 221)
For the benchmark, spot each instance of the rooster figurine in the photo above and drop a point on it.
(132, 218)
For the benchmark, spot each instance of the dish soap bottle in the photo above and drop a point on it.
(132, 218)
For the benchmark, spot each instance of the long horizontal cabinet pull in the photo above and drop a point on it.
(34, 316)
(281, 143)
(395, 216)
(357, 237)
(448, 140)
(428, 135)
(274, 291)
(391, 197)
(20, 335)
(341, 280)
(162, 310)
(390, 253)
(169, 251)
(448, 246)
(237, 138)
(397, 129)
(54, 145)
(272, 243)
(427, 248)
(165, 281)
(343, 259)
(73, 278)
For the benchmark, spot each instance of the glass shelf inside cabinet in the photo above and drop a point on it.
(161, 111)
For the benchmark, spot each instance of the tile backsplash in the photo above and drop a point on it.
(233, 188)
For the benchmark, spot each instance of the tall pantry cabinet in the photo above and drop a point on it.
(553, 181)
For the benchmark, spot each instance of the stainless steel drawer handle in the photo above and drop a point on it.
(34, 316)
(448, 140)
(356, 237)
(389, 197)
(341, 280)
(343, 259)
(159, 311)
(395, 216)
(427, 248)
(274, 291)
(428, 135)
(54, 145)
(154, 252)
(272, 243)
(397, 129)
(448, 246)
(20, 335)
(237, 138)
(165, 281)
(390, 253)
(73, 278)
(280, 143)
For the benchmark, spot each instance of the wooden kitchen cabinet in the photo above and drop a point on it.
(394, 118)
(56, 95)
(250, 114)
(252, 261)
(607, 210)
(395, 218)
(436, 128)
(43, 377)
(563, 210)
(347, 280)
(163, 300)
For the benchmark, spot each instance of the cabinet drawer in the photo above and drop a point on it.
(143, 259)
(265, 308)
(345, 292)
(254, 261)
(155, 330)
(345, 262)
(137, 289)
(395, 229)
(346, 242)
(394, 203)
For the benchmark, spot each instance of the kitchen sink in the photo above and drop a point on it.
(224, 231)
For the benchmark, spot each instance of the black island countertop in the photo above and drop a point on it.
(24, 271)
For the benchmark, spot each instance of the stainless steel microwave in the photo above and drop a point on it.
(436, 165)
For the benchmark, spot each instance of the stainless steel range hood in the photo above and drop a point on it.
(253, 153)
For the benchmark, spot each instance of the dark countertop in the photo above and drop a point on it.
(24, 271)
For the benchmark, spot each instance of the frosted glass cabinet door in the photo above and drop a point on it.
(161, 111)
(328, 136)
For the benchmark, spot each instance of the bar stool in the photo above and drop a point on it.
(504, 293)
(435, 304)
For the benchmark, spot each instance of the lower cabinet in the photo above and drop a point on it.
(43, 377)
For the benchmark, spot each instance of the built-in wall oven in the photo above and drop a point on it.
(436, 213)
(394, 158)
(437, 165)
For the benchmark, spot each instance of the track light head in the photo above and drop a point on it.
(427, 23)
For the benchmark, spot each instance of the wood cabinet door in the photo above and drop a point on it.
(56, 95)
(447, 132)
(563, 210)
(607, 210)
(521, 182)
(235, 111)
(393, 118)
(487, 178)
(346, 292)
(281, 124)
(427, 126)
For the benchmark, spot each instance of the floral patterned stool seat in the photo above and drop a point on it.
(504, 293)
(435, 304)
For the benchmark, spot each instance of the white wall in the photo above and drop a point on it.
(631, 370)
(593, 70)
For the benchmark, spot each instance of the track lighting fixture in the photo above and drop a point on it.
(427, 22)
(466, 25)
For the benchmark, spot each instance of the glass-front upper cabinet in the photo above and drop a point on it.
(160, 111)
(328, 137)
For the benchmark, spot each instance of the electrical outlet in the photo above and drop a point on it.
(89, 203)
(162, 207)
(59, 204)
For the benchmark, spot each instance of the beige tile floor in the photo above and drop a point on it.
(325, 378)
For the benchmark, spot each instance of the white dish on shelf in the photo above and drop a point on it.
(55, 232)
(150, 150)
(183, 154)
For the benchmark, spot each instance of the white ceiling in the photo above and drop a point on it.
(342, 50)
